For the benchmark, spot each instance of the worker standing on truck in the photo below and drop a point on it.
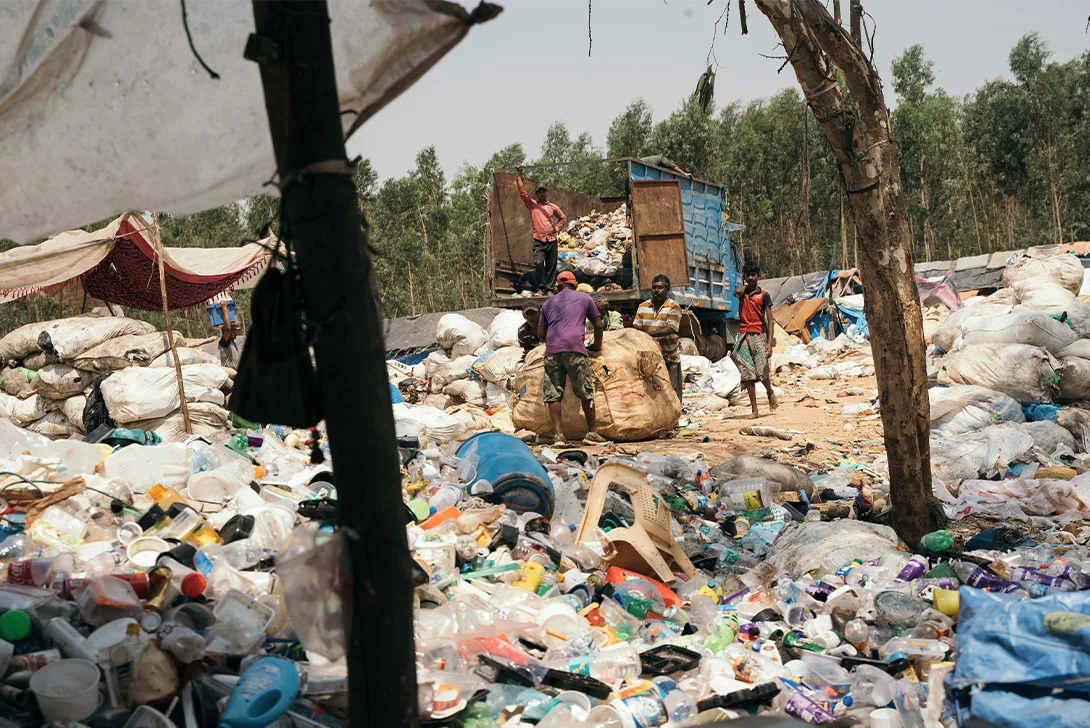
(561, 327)
(547, 220)
(757, 330)
(661, 318)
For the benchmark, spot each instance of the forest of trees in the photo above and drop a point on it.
(1005, 167)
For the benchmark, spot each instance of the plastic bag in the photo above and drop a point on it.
(54, 424)
(785, 478)
(725, 377)
(947, 334)
(442, 373)
(126, 351)
(16, 381)
(470, 391)
(1074, 379)
(58, 381)
(22, 411)
(73, 410)
(142, 467)
(426, 423)
(803, 547)
(107, 598)
(502, 365)
(186, 356)
(1049, 437)
(311, 575)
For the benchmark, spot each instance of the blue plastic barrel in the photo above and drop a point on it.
(515, 474)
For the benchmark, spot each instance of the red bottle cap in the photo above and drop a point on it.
(193, 584)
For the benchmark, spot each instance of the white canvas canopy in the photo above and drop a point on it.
(105, 108)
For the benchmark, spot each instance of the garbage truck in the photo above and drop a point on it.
(679, 228)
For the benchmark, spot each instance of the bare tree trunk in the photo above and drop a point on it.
(1055, 195)
(976, 223)
(872, 179)
(843, 230)
(836, 13)
(412, 292)
(857, 23)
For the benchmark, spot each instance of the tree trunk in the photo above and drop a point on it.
(976, 223)
(857, 23)
(872, 180)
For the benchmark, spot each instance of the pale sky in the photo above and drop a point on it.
(514, 76)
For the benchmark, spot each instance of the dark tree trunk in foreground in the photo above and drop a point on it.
(871, 174)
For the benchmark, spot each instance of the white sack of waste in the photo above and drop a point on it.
(963, 408)
(459, 336)
(502, 365)
(60, 381)
(140, 393)
(1025, 373)
(441, 370)
(126, 351)
(504, 330)
(1074, 379)
(22, 411)
(982, 454)
(68, 337)
(947, 334)
(426, 423)
(1033, 328)
(54, 424)
(1063, 270)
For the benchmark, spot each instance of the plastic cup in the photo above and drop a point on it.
(580, 703)
(66, 689)
(946, 601)
(885, 718)
(213, 486)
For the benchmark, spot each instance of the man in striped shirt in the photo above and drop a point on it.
(661, 318)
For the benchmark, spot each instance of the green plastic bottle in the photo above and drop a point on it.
(937, 541)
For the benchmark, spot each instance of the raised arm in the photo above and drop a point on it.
(522, 186)
(770, 323)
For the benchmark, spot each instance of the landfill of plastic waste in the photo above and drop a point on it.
(564, 590)
(145, 583)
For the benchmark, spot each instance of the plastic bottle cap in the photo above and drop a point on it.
(14, 625)
(157, 491)
(193, 585)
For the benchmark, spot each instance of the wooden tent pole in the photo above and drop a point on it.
(170, 329)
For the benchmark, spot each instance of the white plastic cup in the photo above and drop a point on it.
(66, 689)
(885, 718)
(580, 703)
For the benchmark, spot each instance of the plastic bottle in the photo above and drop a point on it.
(795, 701)
(187, 581)
(447, 496)
(981, 578)
(15, 547)
(164, 496)
(121, 658)
(212, 563)
(871, 686)
(857, 633)
(906, 699)
(914, 569)
(185, 644)
(69, 641)
(733, 557)
(244, 553)
(679, 705)
(760, 574)
(614, 663)
(937, 541)
(41, 572)
(264, 693)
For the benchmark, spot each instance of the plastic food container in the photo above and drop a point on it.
(144, 551)
(66, 689)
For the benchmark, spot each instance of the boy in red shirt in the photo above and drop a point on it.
(757, 329)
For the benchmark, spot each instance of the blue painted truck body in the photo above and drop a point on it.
(713, 263)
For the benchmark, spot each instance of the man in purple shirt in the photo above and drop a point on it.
(562, 326)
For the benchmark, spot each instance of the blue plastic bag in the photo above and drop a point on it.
(1011, 671)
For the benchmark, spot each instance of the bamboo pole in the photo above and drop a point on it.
(170, 330)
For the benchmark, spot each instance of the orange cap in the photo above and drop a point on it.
(193, 585)
(157, 491)
(566, 277)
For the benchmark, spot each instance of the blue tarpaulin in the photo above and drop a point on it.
(1011, 671)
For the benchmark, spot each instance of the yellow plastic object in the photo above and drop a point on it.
(947, 601)
(204, 535)
(647, 547)
(165, 497)
(530, 576)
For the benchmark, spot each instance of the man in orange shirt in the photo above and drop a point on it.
(547, 220)
(754, 344)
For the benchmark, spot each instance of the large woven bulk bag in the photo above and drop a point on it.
(633, 397)
(1025, 373)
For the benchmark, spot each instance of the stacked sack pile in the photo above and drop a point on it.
(68, 376)
(593, 249)
(1014, 367)
(469, 380)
